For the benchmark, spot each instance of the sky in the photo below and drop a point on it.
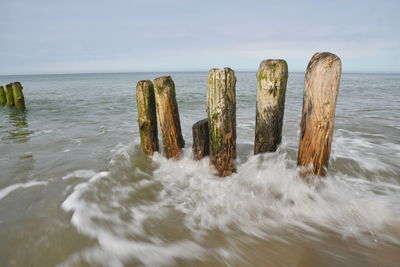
(84, 36)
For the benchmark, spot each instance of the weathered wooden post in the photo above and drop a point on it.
(147, 117)
(9, 94)
(321, 87)
(168, 116)
(3, 98)
(201, 141)
(19, 100)
(221, 109)
(272, 78)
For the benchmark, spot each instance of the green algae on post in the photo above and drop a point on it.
(201, 140)
(321, 86)
(272, 78)
(9, 95)
(221, 109)
(3, 98)
(147, 117)
(19, 100)
(168, 117)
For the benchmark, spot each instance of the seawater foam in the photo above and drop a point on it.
(7, 190)
(263, 198)
(368, 151)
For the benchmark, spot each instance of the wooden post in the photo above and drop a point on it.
(3, 98)
(201, 141)
(147, 117)
(168, 116)
(321, 87)
(9, 94)
(19, 99)
(221, 109)
(272, 77)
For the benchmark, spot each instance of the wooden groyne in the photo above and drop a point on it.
(19, 99)
(216, 135)
(272, 78)
(201, 140)
(321, 86)
(12, 96)
(221, 109)
(3, 97)
(168, 117)
(147, 117)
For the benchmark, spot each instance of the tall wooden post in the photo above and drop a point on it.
(272, 77)
(321, 88)
(201, 141)
(9, 94)
(3, 98)
(147, 117)
(221, 109)
(19, 100)
(168, 117)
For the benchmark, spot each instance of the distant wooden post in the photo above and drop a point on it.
(321, 87)
(201, 141)
(147, 117)
(272, 77)
(9, 94)
(168, 116)
(3, 98)
(19, 99)
(221, 109)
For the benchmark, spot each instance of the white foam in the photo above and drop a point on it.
(7, 190)
(84, 174)
(114, 252)
(369, 153)
(262, 198)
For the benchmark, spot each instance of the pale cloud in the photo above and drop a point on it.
(48, 36)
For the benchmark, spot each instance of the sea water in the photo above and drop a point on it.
(76, 190)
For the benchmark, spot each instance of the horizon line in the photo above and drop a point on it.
(177, 71)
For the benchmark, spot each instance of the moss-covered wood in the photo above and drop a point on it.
(3, 98)
(168, 117)
(272, 78)
(321, 88)
(19, 100)
(221, 109)
(201, 141)
(147, 117)
(9, 95)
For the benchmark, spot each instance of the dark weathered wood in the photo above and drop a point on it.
(9, 95)
(201, 141)
(221, 109)
(321, 88)
(147, 117)
(272, 77)
(19, 100)
(168, 117)
(3, 98)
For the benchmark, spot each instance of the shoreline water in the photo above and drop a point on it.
(101, 201)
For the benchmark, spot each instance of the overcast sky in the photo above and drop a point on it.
(60, 36)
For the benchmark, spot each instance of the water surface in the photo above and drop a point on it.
(76, 190)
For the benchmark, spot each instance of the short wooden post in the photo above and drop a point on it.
(147, 117)
(9, 94)
(19, 100)
(272, 77)
(321, 87)
(201, 141)
(221, 109)
(3, 98)
(168, 117)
